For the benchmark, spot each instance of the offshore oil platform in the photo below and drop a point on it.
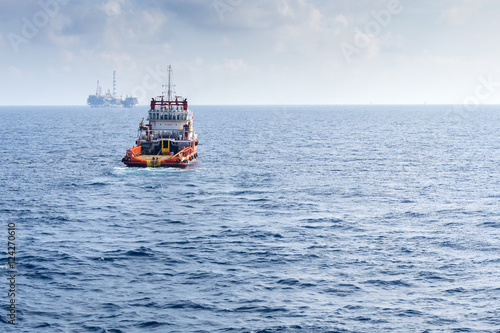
(110, 99)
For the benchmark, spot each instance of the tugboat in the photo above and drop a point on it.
(169, 140)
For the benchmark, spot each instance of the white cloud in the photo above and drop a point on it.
(342, 19)
(134, 30)
(461, 13)
(119, 58)
(315, 20)
(285, 9)
(265, 14)
(235, 65)
(198, 62)
(167, 48)
(113, 7)
(15, 72)
(373, 44)
(151, 22)
(272, 44)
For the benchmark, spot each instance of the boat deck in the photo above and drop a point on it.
(156, 157)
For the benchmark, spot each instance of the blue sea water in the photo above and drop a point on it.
(293, 219)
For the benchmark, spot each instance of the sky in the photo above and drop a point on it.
(237, 52)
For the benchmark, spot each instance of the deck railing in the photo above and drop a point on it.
(185, 152)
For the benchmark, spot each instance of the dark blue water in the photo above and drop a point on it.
(294, 219)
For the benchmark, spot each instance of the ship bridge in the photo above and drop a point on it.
(169, 115)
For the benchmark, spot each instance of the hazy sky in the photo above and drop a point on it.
(252, 51)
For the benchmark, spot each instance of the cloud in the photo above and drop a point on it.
(460, 14)
(239, 15)
(113, 7)
(113, 25)
(372, 44)
(342, 19)
(235, 65)
(273, 43)
(15, 72)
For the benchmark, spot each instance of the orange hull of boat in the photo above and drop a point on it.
(182, 159)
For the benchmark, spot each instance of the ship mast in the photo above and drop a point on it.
(169, 83)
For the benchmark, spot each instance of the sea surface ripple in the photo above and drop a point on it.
(294, 219)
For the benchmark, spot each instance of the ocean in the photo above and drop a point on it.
(294, 219)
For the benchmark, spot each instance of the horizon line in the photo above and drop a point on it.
(277, 104)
